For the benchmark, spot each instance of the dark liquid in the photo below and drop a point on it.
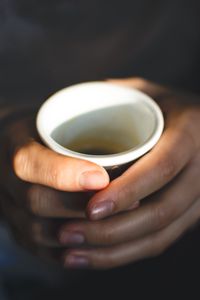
(94, 146)
(94, 151)
(103, 132)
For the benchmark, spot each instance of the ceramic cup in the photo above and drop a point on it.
(103, 110)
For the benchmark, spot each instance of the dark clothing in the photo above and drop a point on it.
(46, 45)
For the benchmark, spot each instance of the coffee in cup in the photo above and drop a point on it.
(101, 122)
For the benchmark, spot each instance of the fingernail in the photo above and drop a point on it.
(73, 261)
(93, 180)
(101, 210)
(72, 238)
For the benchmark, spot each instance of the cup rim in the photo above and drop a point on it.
(109, 160)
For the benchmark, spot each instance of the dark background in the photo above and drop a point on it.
(47, 45)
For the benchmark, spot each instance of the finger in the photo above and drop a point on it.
(168, 205)
(160, 93)
(50, 255)
(33, 230)
(39, 234)
(43, 201)
(147, 175)
(146, 86)
(46, 202)
(153, 245)
(165, 95)
(38, 164)
(43, 233)
(46, 254)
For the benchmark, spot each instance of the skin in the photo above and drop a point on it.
(92, 223)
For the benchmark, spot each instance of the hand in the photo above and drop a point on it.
(165, 182)
(34, 209)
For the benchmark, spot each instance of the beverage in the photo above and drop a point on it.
(95, 146)
(101, 122)
(98, 132)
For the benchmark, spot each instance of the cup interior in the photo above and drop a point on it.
(104, 113)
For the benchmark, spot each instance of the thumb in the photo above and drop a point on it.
(37, 164)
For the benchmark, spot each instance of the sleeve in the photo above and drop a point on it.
(12, 111)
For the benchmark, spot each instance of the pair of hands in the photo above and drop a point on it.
(45, 198)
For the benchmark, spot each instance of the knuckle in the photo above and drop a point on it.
(106, 235)
(125, 193)
(20, 162)
(158, 247)
(191, 114)
(35, 201)
(189, 127)
(168, 168)
(107, 261)
(54, 176)
(160, 216)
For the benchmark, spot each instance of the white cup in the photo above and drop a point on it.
(114, 108)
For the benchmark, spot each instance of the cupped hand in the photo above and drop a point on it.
(40, 188)
(165, 182)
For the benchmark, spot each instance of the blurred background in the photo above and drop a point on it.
(47, 45)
